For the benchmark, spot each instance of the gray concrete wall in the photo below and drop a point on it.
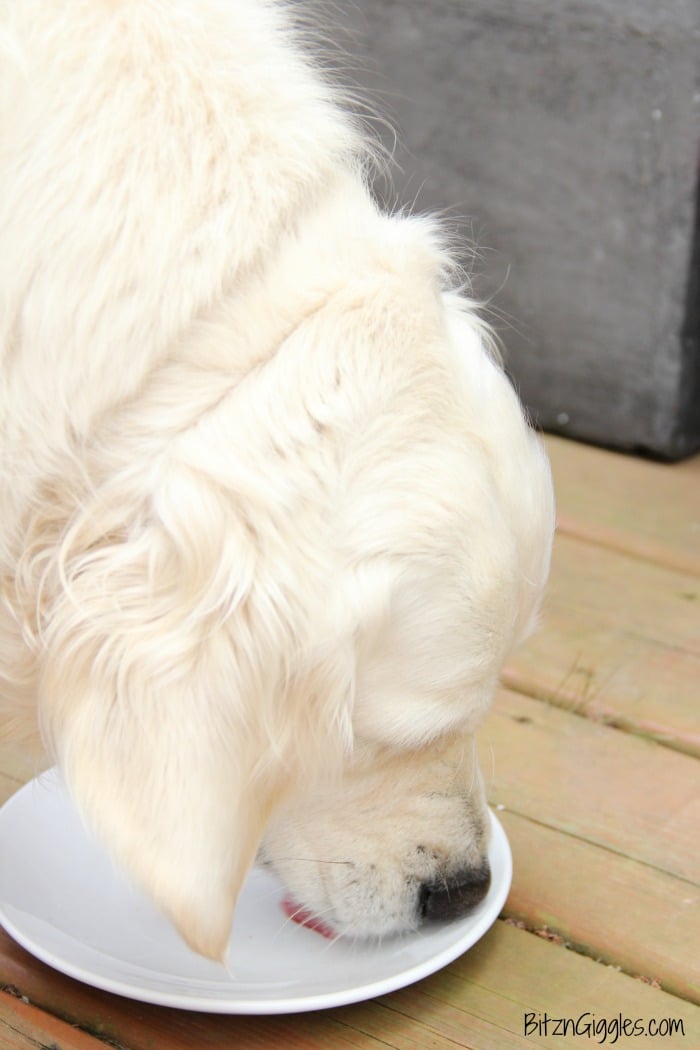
(564, 136)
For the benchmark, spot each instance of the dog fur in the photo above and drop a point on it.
(272, 517)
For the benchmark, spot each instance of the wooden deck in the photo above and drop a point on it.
(591, 755)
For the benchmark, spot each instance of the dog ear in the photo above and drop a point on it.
(169, 697)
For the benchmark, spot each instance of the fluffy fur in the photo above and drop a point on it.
(272, 517)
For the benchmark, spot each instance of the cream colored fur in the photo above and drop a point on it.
(272, 517)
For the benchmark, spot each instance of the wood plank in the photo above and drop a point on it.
(478, 1002)
(610, 907)
(619, 642)
(651, 510)
(615, 790)
(17, 765)
(392, 1022)
(24, 1027)
(482, 998)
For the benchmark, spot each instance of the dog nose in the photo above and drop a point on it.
(452, 897)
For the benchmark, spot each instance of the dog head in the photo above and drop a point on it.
(214, 685)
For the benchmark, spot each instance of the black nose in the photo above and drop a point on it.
(452, 897)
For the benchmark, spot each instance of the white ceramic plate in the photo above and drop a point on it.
(64, 901)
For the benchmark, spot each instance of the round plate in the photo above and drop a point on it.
(64, 901)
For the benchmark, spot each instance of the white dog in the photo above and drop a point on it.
(272, 517)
